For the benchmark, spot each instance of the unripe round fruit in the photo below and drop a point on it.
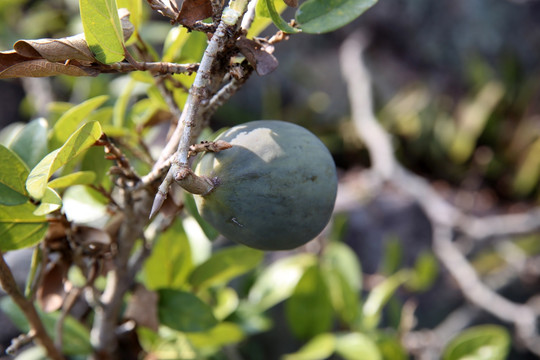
(276, 187)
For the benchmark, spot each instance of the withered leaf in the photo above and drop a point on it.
(142, 308)
(54, 50)
(258, 55)
(51, 292)
(291, 3)
(194, 10)
(14, 66)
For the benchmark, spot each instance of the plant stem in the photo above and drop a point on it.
(36, 326)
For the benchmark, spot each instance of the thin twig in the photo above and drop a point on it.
(7, 281)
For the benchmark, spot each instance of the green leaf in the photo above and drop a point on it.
(225, 265)
(170, 262)
(393, 256)
(286, 272)
(31, 143)
(102, 30)
(344, 298)
(485, 342)
(121, 104)
(390, 347)
(183, 311)
(19, 227)
(341, 257)
(71, 120)
(75, 337)
(278, 20)
(175, 40)
(81, 140)
(12, 177)
(357, 346)
(379, 296)
(262, 17)
(76, 178)
(224, 333)
(320, 16)
(424, 273)
(50, 202)
(310, 297)
(320, 347)
(135, 9)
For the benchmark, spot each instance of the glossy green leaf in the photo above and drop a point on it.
(19, 227)
(50, 202)
(321, 16)
(12, 177)
(225, 265)
(226, 302)
(102, 30)
(277, 281)
(170, 262)
(224, 333)
(75, 337)
(31, 142)
(183, 311)
(71, 120)
(357, 346)
(344, 298)
(277, 19)
(309, 309)
(262, 17)
(320, 347)
(76, 178)
(485, 342)
(81, 140)
(379, 296)
(176, 38)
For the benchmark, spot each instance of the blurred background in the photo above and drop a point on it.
(455, 82)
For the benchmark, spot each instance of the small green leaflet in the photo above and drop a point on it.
(50, 202)
(479, 342)
(76, 178)
(278, 20)
(12, 178)
(31, 143)
(81, 140)
(183, 311)
(321, 16)
(19, 227)
(71, 120)
(102, 29)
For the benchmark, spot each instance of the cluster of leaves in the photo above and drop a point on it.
(58, 192)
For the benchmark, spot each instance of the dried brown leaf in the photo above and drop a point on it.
(18, 66)
(54, 50)
(258, 55)
(51, 292)
(194, 10)
(142, 308)
(291, 3)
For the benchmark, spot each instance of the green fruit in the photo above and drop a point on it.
(276, 187)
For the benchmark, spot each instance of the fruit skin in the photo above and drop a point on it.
(276, 187)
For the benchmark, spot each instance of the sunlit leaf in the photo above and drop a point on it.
(81, 140)
(357, 346)
(485, 342)
(71, 120)
(309, 309)
(262, 17)
(176, 38)
(50, 202)
(102, 29)
(277, 281)
(379, 296)
(341, 257)
(170, 262)
(320, 16)
(84, 205)
(76, 178)
(12, 178)
(224, 333)
(320, 347)
(31, 142)
(183, 311)
(75, 337)
(225, 265)
(19, 227)
(277, 19)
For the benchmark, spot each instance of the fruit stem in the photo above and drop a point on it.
(200, 185)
